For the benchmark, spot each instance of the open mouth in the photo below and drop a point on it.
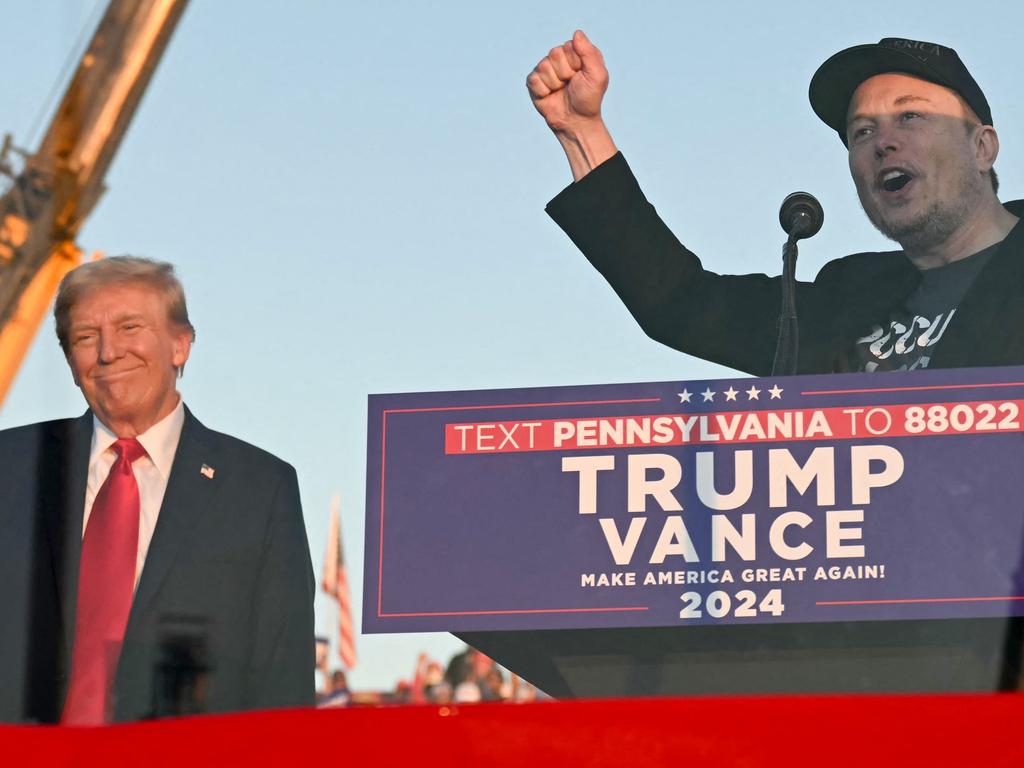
(894, 180)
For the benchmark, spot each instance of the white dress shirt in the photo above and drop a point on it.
(151, 472)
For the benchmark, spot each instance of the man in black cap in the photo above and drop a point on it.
(921, 149)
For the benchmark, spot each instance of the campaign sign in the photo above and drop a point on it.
(790, 499)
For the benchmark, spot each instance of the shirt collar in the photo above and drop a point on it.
(160, 440)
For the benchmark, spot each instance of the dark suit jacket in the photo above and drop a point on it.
(229, 551)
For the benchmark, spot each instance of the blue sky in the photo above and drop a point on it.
(353, 195)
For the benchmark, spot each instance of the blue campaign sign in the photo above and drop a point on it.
(790, 499)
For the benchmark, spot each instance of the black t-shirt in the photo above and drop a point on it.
(906, 340)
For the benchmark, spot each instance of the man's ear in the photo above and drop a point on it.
(182, 348)
(986, 147)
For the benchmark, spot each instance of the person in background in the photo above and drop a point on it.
(338, 694)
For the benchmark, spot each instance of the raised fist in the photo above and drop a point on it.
(568, 84)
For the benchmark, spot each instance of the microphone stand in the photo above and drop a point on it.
(800, 216)
(787, 349)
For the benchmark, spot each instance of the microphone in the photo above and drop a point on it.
(801, 215)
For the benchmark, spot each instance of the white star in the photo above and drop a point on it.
(730, 394)
(707, 394)
(775, 392)
(752, 393)
(684, 396)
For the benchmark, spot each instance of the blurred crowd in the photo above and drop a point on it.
(469, 677)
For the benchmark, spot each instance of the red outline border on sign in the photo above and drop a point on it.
(897, 601)
(383, 471)
(380, 561)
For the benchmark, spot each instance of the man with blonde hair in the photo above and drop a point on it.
(134, 519)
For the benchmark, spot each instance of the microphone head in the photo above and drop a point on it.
(801, 215)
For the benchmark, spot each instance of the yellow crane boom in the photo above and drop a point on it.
(50, 193)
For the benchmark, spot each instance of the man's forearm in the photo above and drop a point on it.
(586, 147)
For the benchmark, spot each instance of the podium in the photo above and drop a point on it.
(935, 656)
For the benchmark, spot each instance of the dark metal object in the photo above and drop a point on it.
(801, 216)
(182, 671)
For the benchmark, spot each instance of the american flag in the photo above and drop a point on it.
(335, 584)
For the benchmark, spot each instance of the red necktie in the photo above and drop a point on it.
(106, 581)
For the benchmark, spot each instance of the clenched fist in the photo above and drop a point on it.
(567, 88)
(568, 84)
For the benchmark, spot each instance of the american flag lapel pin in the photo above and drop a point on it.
(206, 471)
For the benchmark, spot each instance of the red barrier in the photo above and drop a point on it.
(791, 731)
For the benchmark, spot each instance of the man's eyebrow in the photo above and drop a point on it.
(899, 102)
(910, 98)
(127, 316)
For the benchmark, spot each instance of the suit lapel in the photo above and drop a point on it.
(973, 336)
(68, 451)
(185, 500)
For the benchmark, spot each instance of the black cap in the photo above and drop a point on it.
(835, 81)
